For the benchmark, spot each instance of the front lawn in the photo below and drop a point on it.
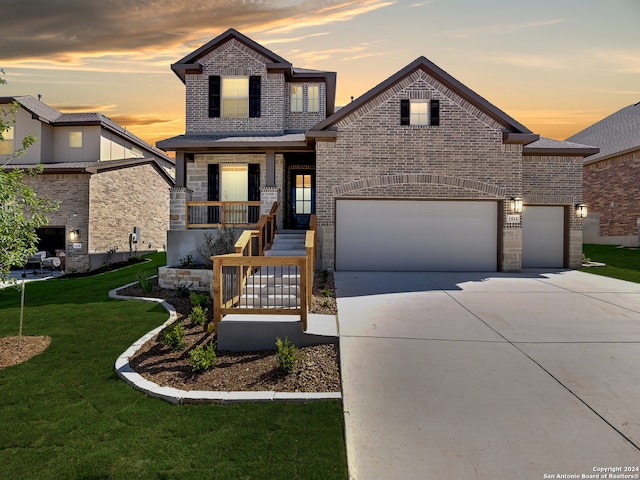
(621, 263)
(66, 414)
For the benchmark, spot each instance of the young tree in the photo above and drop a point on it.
(22, 212)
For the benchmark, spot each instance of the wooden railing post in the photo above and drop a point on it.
(217, 292)
(304, 286)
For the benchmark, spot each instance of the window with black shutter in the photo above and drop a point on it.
(254, 192)
(254, 96)
(213, 192)
(214, 96)
(405, 112)
(434, 109)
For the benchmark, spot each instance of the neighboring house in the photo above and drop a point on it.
(107, 181)
(611, 176)
(420, 173)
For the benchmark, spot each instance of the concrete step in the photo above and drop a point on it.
(259, 332)
(288, 246)
(271, 289)
(269, 301)
(285, 253)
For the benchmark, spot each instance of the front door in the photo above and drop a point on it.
(302, 190)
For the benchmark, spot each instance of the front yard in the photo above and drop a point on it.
(621, 263)
(65, 413)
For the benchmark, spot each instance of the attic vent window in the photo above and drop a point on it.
(419, 112)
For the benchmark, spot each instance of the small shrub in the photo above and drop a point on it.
(326, 292)
(220, 244)
(326, 303)
(145, 281)
(198, 315)
(173, 337)
(184, 288)
(187, 261)
(203, 358)
(286, 354)
(199, 299)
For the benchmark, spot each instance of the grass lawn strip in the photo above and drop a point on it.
(620, 263)
(66, 414)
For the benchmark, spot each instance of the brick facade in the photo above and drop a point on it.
(104, 207)
(614, 180)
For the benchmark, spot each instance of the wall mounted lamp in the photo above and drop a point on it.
(74, 235)
(516, 204)
(581, 210)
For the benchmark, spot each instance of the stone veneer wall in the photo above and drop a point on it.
(193, 279)
(375, 156)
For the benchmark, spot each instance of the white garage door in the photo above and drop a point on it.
(411, 235)
(543, 237)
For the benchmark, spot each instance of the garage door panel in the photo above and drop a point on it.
(402, 235)
(543, 233)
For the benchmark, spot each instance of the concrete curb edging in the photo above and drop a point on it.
(184, 397)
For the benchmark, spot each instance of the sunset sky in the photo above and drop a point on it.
(556, 66)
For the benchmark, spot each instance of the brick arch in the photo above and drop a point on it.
(419, 178)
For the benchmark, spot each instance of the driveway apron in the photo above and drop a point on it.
(489, 376)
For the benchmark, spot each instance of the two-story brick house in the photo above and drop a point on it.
(107, 181)
(419, 173)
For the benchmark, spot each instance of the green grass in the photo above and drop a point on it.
(66, 414)
(621, 263)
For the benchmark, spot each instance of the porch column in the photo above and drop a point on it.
(179, 196)
(181, 169)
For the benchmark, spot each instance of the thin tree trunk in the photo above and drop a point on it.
(21, 312)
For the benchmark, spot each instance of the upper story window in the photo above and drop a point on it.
(75, 139)
(419, 112)
(297, 96)
(234, 96)
(6, 145)
(313, 98)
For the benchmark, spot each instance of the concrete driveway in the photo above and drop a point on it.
(489, 376)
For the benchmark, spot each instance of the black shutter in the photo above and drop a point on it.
(254, 96)
(214, 96)
(254, 192)
(434, 115)
(405, 112)
(213, 192)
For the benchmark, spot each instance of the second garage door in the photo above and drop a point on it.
(543, 233)
(412, 235)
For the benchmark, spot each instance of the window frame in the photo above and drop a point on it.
(419, 112)
(76, 139)
(237, 98)
(7, 146)
(313, 101)
(296, 100)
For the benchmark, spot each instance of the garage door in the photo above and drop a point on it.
(543, 237)
(398, 235)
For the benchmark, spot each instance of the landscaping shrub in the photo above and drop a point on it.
(287, 355)
(199, 299)
(173, 337)
(222, 243)
(145, 281)
(203, 358)
(198, 315)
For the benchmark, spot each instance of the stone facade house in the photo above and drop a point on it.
(419, 173)
(611, 176)
(107, 180)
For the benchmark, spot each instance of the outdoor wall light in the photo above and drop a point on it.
(74, 235)
(516, 204)
(581, 210)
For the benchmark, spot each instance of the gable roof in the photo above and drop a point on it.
(95, 167)
(431, 69)
(616, 134)
(49, 115)
(189, 63)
